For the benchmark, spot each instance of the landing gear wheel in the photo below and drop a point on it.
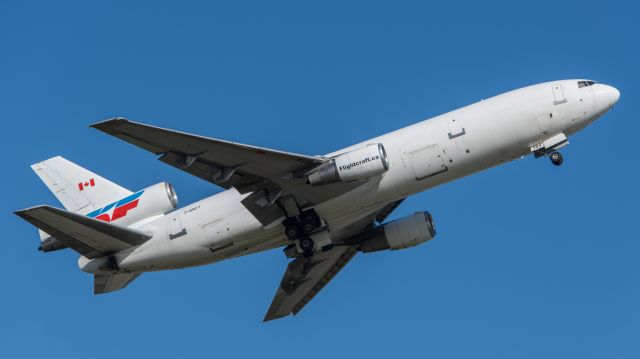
(556, 158)
(292, 229)
(309, 221)
(308, 246)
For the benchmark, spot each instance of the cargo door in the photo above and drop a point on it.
(427, 162)
(217, 235)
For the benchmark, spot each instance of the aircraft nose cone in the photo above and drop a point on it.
(614, 95)
(607, 95)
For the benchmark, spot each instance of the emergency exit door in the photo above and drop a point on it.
(558, 94)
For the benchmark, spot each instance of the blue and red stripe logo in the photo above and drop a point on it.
(120, 208)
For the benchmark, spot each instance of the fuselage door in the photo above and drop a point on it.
(427, 162)
(558, 94)
(176, 229)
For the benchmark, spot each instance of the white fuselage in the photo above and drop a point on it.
(421, 156)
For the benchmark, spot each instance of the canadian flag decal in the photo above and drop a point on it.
(83, 185)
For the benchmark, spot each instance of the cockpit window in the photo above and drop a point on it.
(585, 83)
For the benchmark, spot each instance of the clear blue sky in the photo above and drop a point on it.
(530, 261)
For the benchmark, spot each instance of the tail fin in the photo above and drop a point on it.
(78, 189)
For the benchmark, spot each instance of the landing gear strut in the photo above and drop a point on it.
(300, 228)
(556, 158)
(549, 148)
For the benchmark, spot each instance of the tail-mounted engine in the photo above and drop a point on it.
(357, 165)
(152, 201)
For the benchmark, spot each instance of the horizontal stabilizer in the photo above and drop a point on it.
(90, 237)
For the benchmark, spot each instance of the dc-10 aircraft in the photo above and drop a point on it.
(321, 209)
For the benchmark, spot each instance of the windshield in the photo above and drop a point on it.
(586, 83)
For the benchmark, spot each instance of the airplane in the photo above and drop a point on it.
(322, 210)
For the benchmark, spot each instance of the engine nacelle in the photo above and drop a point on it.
(402, 233)
(152, 201)
(357, 165)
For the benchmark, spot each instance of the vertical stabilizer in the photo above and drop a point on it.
(78, 189)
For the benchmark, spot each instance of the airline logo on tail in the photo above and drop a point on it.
(86, 184)
(119, 208)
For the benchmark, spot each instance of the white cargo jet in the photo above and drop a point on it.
(321, 209)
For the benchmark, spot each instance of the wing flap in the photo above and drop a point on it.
(304, 278)
(105, 283)
(90, 237)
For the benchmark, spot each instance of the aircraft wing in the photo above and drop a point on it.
(269, 173)
(304, 278)
(90, 237)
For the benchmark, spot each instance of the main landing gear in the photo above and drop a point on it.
(308, 246)
(556, 158)
(300, 228)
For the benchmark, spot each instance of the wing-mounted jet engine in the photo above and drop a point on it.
(402, 233)
(307, 275)
(356, 165)
(306, 228)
